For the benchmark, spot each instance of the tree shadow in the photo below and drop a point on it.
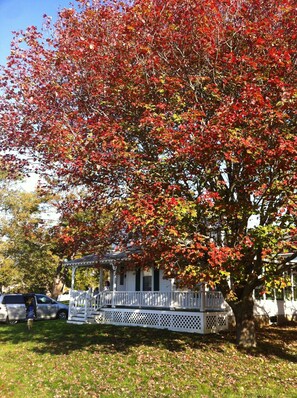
(278, 341)
(60, 338)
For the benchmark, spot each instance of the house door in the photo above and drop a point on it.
(147, 280)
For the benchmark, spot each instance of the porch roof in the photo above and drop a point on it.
(105, 261)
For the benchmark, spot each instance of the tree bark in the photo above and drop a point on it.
(245, 322)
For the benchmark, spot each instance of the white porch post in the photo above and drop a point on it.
(292, 285)
(101, 279)
(114, 286)
(71, 309)
(88, 296)
(203, 293)
(73, 277)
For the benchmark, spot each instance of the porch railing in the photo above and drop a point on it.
(202, 301)
(79, 303)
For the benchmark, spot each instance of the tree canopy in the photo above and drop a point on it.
(177, 118)
(27, 258)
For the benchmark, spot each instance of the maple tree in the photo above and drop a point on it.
(178, 118)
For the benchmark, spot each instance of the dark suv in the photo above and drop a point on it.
(13, 307)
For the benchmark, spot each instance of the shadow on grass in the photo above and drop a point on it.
(59, 337)
(275, 341)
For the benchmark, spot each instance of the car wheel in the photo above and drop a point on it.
(62, 315)
(11, 321)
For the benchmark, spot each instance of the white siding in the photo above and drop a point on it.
(166, 285)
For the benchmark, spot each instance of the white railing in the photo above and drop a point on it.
(177, 299)
(78, 303)
(214, 301)
(202, 301)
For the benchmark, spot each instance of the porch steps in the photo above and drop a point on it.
(80, 319)
(76, 322)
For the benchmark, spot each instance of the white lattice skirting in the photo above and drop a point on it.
(180, 321)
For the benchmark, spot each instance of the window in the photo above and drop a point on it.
(43, 300)
(294, 285)
(147, 280)
(122, 275)
(14, 299)
(258, 293)
(279, 294)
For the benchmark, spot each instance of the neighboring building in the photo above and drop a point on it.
(279, 304)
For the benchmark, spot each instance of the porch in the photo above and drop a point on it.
(185, 311)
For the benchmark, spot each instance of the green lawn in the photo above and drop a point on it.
(61, 360)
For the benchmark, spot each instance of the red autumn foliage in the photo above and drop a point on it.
(175, 118)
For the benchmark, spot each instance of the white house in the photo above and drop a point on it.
(144, 298)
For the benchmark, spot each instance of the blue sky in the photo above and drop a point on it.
(19, 14)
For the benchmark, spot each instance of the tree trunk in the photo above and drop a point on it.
(57, 285)
(245, 322)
